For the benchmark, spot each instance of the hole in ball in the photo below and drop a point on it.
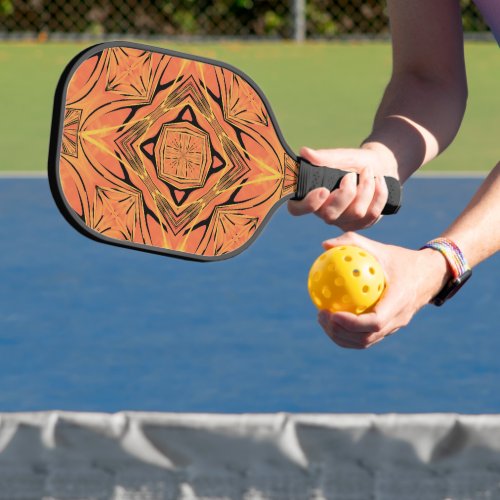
(317, 301)
(356, 273)
(346, 299)
(366, 289)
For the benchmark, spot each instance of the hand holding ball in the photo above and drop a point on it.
(346, 278)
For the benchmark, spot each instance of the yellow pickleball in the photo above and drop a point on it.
(346, 278)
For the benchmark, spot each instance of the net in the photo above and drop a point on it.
(159, 456)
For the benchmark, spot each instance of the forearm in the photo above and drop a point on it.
(424, 103)
(416, 120)
(477, 230)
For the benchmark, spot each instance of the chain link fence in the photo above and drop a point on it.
(284, 19)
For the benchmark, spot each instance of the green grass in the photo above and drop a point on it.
(323, 95)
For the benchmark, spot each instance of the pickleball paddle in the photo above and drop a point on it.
(172, 153)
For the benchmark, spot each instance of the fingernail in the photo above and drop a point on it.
(324, 194)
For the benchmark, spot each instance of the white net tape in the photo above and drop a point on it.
(160, 456)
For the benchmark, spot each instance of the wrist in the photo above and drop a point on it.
(437, 273)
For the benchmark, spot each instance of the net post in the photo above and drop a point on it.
(299, 20)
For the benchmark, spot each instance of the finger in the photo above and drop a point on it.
(380, 196)
(324, 318)
(348, 338)
(311, 203)
(365, 191)
(366, 209)
(353, 341)
(335, 205)
(361, 340)
(342, 340)
(374, 342)
(384, 318)
(338, 201)
(370, 204)
(338, 334)
(376, 338)
(362, 324)
(344, 344)
(393, 332)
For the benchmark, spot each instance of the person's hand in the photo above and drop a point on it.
(413, 278)
(351, 206)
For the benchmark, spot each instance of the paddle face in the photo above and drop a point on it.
(164, 152)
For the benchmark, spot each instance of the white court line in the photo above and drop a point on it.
(23, 175)
(454, 174)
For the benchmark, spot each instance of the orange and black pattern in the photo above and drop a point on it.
(170, 152)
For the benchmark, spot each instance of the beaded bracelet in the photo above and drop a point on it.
(460, 269)
(452, 254)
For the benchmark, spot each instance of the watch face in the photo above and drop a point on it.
(451, 288)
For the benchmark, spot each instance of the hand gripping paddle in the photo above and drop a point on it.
(172, 153)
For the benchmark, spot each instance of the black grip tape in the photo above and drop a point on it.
(312, 177)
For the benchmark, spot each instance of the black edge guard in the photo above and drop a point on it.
(312, 177)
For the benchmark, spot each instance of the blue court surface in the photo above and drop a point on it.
(91, 327)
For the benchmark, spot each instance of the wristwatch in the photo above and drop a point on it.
(460, 270)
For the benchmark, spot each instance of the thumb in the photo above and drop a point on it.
(351, 159)
(311, 155)
(349, 238)
(377, 249)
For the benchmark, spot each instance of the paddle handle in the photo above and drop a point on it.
(312, 177)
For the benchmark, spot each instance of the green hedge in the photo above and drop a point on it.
(264, 18)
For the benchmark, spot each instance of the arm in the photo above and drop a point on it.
(424, 103)
(419, 114)
(415, 277)
(477, 230)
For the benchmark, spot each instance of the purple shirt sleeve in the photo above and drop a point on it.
(490, 9)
